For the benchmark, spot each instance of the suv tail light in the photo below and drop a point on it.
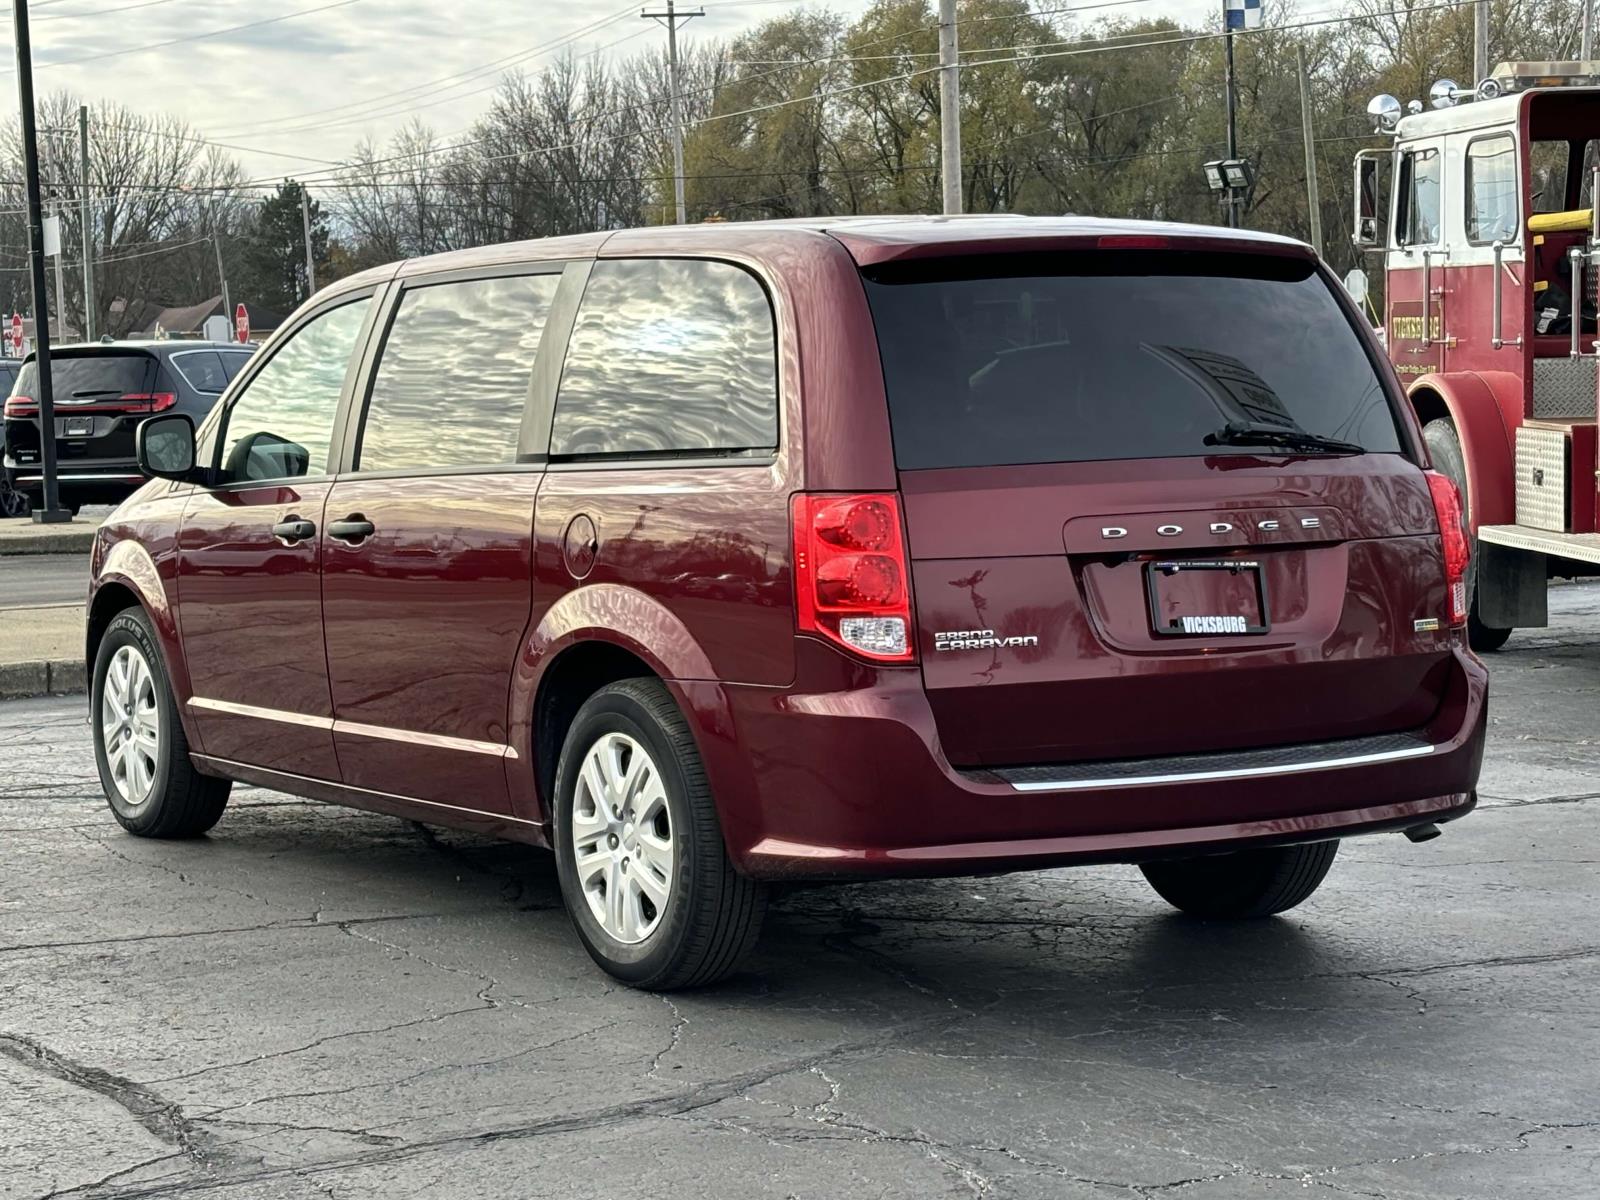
(852, 580)
(1457, 549)
(131, 402)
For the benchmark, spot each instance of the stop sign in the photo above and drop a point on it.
(16, 334)
(241, 323)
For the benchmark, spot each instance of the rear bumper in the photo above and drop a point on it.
(828, 781)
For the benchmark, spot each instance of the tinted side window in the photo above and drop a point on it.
(233, 361)
(669, 355)
(1492, 189)
(453, 380)
(281, 425)
(202, 369)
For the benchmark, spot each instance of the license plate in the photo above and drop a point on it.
(78, 426)
(1207, 598)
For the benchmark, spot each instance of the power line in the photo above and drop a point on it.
(192, 37)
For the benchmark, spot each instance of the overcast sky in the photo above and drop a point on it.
(313, 84)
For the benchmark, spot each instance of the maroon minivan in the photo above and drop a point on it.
(711, 557)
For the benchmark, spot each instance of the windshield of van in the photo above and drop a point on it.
(1116, 355)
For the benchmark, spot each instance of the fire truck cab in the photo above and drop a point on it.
(1490, 238)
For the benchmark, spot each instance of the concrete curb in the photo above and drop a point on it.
(49, 540)
(42, 677)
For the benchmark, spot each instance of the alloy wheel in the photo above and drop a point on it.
(130, 725)
(622, 838)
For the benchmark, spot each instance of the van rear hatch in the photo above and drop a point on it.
(1157, 502)
(100, 394)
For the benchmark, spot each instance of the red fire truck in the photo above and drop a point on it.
(1490, 239)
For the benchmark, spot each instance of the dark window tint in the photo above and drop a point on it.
(1117, 355)
(453, 380)
(233, 361)
(87, 377)
(8, 376)
(1491, 181)
(281, 425)
(669, 356)
(202, 369)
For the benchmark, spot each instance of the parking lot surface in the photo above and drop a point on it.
(314, 1002)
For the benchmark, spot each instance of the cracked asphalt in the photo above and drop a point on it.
(314, 1002)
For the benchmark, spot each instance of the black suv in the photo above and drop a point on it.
(102, 392)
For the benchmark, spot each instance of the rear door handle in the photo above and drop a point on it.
(353, 529)
(294, 529)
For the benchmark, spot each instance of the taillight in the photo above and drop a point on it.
(19, 406)
(1457, 549)
(852, 583)
(149, 401)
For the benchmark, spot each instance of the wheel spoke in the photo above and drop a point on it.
(594, 780)
(644, 877)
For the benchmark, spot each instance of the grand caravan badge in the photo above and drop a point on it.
(980, 639)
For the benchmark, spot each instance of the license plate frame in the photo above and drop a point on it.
(1155, 571)
(75, 427)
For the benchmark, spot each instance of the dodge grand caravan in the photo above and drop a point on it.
(713, 557)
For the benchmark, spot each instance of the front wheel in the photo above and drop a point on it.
(639, 850)
(1246, 883)
(139, 744)
(1444, 447)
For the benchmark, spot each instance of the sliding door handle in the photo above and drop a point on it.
(353, 529)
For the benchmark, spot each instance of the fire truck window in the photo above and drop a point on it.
(1417, 219)
(1548, 163)
(1492, 190)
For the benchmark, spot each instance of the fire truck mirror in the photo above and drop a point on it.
(1356, 284)
(1369, 225)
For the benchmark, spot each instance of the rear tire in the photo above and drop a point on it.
(639, 851)
(1444, 447)
(1244, 884)
(139, 744)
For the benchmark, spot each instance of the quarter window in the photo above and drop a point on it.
(281, 425)
(1416, 220)
(1491, 181)
(669, 356)
(202, 369)
(453, 380)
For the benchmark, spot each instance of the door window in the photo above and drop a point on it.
(1416, 219)
(669, 356)
(453, 381)
(281, 425)
(1491, 182)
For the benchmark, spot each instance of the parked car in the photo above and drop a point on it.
(102, 391)
(12, 502)
(719, 556)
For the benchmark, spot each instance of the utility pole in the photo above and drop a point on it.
(950, 107)
(216, 242)
(1312, 199)
(1480, 42)
(305, 222)
(1233, 118)
(51, 513)
(87, 216)
(1586, 37)
(670, 19)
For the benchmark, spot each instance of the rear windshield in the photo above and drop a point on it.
(1115, 355)
(86, 377)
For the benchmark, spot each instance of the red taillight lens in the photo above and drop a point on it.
(20, 406)
(851, 574)
(1453, 535)
(149, 401)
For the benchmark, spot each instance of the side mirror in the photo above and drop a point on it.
(164, 447)
(265, 455)
(1368, 231)
(1355, 282)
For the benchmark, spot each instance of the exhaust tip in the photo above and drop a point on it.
(1423, 833)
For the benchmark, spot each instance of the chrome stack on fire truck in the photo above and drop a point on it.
(1491, 245)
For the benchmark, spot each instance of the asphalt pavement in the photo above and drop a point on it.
(32, 580)
(313, 1002)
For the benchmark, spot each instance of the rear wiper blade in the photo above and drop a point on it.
(1243, 433)
(98, 392)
